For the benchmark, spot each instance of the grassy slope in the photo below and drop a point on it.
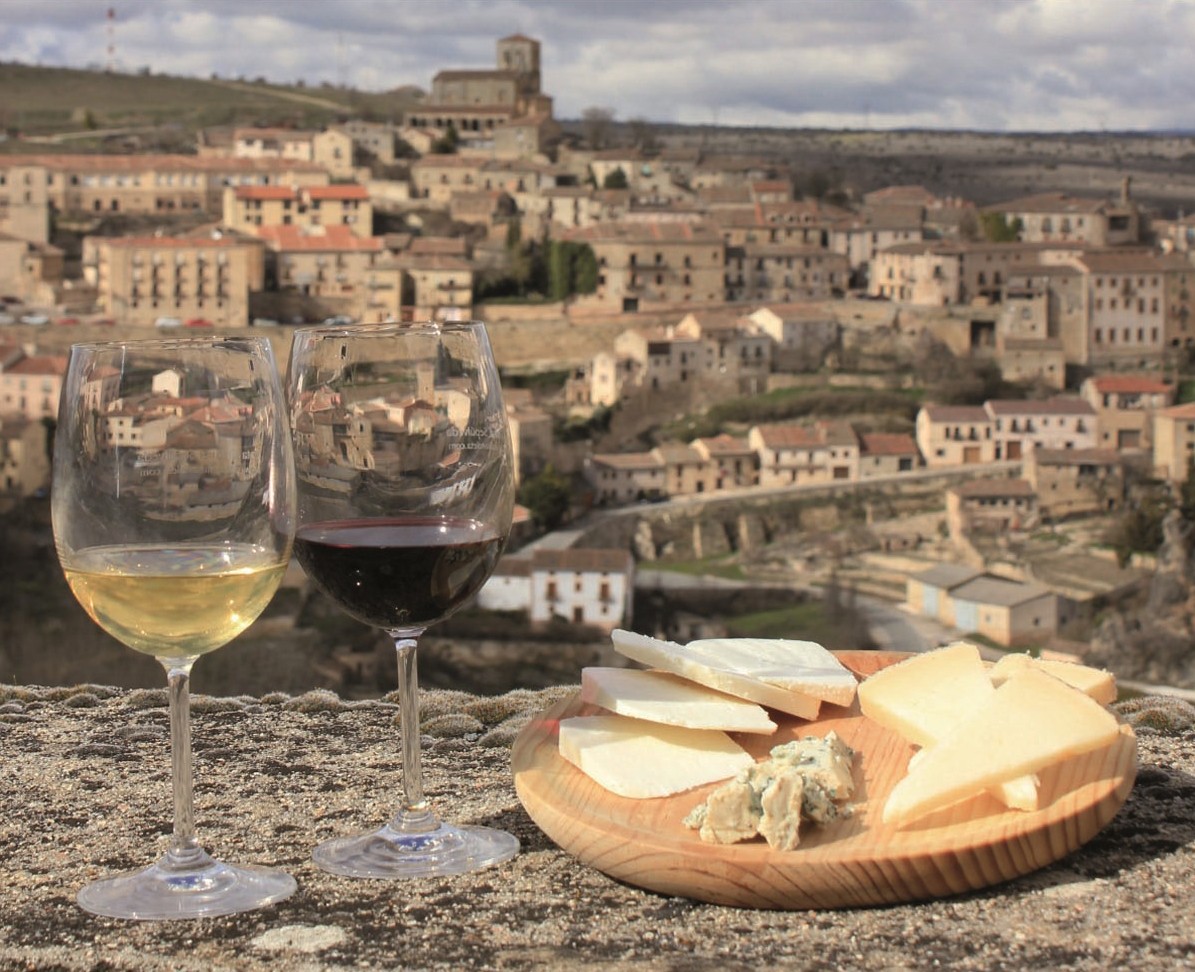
(41, 100)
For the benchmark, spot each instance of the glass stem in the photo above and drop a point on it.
(184, 851)
(414, 815)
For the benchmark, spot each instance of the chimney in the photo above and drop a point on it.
(1124, 190)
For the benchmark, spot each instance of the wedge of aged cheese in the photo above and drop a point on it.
(1096, 682)
(924, 698)
(712, 673)
(670, 699)
(800, 666)
(1029, 722)
(638, 759)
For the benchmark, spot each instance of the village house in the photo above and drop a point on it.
(625, 477)
(590, 586)
(1174, 442)
(24, 200)
(734, 349)
(1010, 613)
(24, 462)
(30, 384)
(729, 461)
(790, 454)
(941, 273)
(802, 334)
(1125, 406)
(1063, 422)
(1075, 482)
(1134, 313)
(331, 149)
(783, 273)
(374, 139)
(530, 435)
(859, 237)
(351, 274)
(646, 265)
(140, 279)
(437, 178)
(886, 454)
(248, 208)
(1044, 308)
(31, 272)
(955, 435)
(435, 286)
(993, 506)
(1057, 217)
(152, 184)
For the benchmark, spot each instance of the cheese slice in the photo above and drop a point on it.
(924, 699)
(1029, 722)
(638, 759)
(670, 699)
(1099, 684)
(714, 674)
(800, 666)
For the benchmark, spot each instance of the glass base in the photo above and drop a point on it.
(164, 892)
(401, 853)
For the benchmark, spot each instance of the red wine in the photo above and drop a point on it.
(402, 573)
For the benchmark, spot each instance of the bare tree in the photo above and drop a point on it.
(643, 135)
(597, 124)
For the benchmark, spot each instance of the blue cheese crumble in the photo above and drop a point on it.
(807, 779)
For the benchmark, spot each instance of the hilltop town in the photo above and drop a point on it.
(977, 409)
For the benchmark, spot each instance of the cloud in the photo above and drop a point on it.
(986, 64)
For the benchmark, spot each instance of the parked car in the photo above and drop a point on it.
(338, 319)
(199, 322)
(104, 322)
(35, 319)
(264, 322)
(7, 318)
(67, 321)
(167, 322)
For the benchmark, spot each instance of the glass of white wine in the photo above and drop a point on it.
(173, 506)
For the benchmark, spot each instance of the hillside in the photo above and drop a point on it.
(77, 108)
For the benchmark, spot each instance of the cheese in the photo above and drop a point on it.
(799, 780)
(1029, 722)
(666, 698)
(638, 759)
(924, 698)
(714, 674)
(1096, 682)
(799, 666)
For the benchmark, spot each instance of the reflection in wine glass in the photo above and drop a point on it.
(406, 491)
(173, 505)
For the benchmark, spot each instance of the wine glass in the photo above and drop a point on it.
(173, 506)
(406, 491)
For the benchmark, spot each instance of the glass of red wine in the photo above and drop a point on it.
(406, 492)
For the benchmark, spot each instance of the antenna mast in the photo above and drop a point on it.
(111, 29)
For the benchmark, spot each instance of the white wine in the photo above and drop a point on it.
(174, 601)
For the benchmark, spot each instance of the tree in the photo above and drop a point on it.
(446, 144)
(548, 497)
(643, 136)
(596, 125)
(997, 228)
(615, 179)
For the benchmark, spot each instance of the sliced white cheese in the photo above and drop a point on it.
(1029, 722)
(800, 666)
(714, 674)
(638, 759)
(1099, 684)
(670, 699)
(924, 699)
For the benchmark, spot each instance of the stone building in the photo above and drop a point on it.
(1125, 406)
(140, 279)
(248, 208)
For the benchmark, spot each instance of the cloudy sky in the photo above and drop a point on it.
(995, 65)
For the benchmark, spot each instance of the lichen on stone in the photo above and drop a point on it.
(1161, 713)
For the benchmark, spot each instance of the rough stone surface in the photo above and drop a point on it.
(85, 791)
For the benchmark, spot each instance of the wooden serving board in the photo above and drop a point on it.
(853, 862)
